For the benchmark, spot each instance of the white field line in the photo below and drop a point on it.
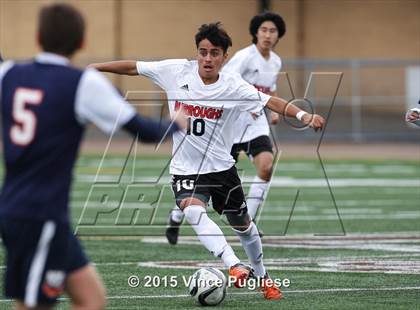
(299, 260)
(399, 191)
(297, 167)
(284, 291)
(403, 235)
(392, 216)
(411, 215)
(277, 181)
(341, 266)
(291, 260)
(327, 290)
(117, 163)
(324, 242)
(276, 205)
(375, 247)
(285, 204)
(295, 260)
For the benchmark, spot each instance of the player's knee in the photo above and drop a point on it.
(86, 289)
(239, 222)
(265, 170)
(189, 201)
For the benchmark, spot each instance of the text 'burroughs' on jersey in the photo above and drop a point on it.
(199, 111)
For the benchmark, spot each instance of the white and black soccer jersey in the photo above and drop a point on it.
(261, 73)
(44, 107)
(213, 111)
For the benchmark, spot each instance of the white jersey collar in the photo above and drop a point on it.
(200, 81)
(51, 58)
(261, 56)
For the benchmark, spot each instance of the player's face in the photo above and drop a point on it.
(210, 60)
(267, 35)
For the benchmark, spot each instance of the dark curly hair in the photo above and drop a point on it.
(215, 34)
(61, 29)
(257, 20)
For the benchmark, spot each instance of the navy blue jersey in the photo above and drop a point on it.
(45, 105)
(41, 138)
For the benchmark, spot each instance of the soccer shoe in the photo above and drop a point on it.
(240, 272)
(172, 231)
(270, 289)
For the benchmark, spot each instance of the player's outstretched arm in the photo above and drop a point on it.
(98, 102)
(150, 130)
(124, 67)
(283, 107)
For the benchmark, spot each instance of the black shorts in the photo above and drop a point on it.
(224, 188)
(40, 256)
(252, 148)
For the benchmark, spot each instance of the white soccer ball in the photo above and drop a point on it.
(208, 286)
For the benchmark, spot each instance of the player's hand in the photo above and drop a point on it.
(314, 121)
(93, 66)
(274, 118)
(181, 119)
(412, 115)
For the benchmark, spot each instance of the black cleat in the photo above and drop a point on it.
(172, 232)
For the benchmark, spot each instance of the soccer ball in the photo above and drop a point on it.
(208, 286)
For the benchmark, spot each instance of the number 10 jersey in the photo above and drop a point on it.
(213, 111)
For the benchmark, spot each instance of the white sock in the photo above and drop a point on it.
(177, 215)
(256, 195)
(251, 242)
(210, 235)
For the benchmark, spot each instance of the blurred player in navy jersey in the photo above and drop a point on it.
(258, 65)
(45, 105)
(201, 165)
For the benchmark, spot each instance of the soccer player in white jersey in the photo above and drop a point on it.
(201, 165)
(259, 66)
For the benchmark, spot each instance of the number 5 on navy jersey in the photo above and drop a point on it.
(23, 130)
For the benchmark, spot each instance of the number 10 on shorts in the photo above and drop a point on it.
(184, 184)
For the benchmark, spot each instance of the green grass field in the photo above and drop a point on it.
(355, 245)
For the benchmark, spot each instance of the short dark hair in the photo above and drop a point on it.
(215, 34)
(61, 29)
(257, 20)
